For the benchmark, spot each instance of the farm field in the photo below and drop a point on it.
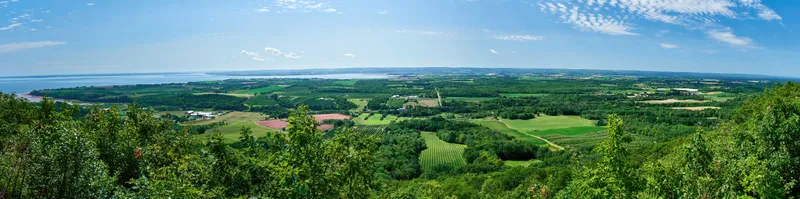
(524, 94)
(376, 119)
(440, 152)
(228, 94)
(361, 103)
(349, 82)
(672, 101)
(231, 131)
(696, 108)
(578, 130)
(469, 98)
(267, 89)
(502, 128)
(520, 163)
(230, 118)
(548, 122)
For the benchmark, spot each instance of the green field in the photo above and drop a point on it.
(524, 94)
(346, 82)
(578, 130)
(469, 98)
(502, 128)
(440, 152)
(267, 89)
(548, 122)
(361, 103)
(234, 122)
(376, 119)
(520, 163)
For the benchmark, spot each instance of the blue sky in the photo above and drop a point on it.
(77, 37)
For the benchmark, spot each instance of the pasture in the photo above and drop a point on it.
(696, 108)
(376, 119)
(502, 128)
(234, 121)
(548, 122)
(524, 94)
(520, 163)
(361, 103)
(267, 89)
(672, 101)
(349, 82)
(578, 130)
(440, 152)
(469, 98)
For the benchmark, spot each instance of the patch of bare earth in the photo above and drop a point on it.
(323, 117)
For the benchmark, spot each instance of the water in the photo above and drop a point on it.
(22, 85)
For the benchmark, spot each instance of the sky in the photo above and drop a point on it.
(47, 37)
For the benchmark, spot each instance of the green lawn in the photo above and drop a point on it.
(578, 130)
(267, 89)
(440, 152)
(231, 131)
(548, 122)
(524, 94)
(234, 122)
(469, 98)
(499, 126)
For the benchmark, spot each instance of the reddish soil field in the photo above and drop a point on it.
(325, 127)
(323, 117)
(280, 124)
(275, 124)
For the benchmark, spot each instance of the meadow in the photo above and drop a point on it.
(524, 94)
(233, 124)
(548, 122)
(502, 128)
(268, 89)
(440, 152)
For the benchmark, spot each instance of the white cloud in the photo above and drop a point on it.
(419, 32)
(90, 4)
(258, 59)
(277, 52)
(9, 27)
(252, 54)
(4, 48)
(520, 38)
(349, 55)
(36, 20)
(614, 17)
(727, 36)
(493, 52)
(263, 10)
(383, 12)
(668, 46)
(304, 6)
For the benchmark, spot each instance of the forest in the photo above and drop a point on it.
(457, 136)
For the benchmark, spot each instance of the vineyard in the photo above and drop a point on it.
(440, 152)
(369, 129)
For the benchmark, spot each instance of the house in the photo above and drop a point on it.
(687, 91)
(204, 115)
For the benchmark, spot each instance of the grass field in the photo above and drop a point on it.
(548, 122)
(520, 163)
(234, 122)
(469, 98)
(523, 94)
(346, 82)
(578, 130)
(361, 103)
(376, 119)
(267, 89)
(440, 152)
(499, 126)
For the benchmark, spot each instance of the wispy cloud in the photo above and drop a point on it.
(668, 46)
(520, 38)
(262, 10)
(349, 55)
(277, 52)
(493, 52)
(614, 17)
(252, 54)
(281, 6)
(258, 59)
(9, 27)
(419, 32)
(728, 37)
(383, 12)
(4, 48)
(90, 4)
